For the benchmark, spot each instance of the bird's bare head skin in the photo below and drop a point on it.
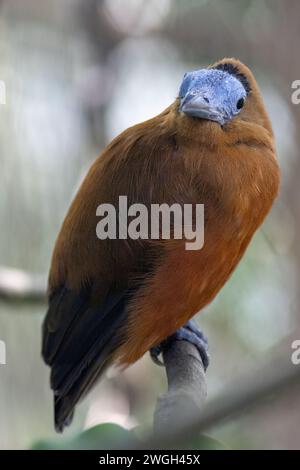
(215, 94)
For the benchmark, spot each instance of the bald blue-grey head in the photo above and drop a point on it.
(217, 94)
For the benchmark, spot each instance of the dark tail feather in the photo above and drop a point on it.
(65, 307)
(59, 423)
(85, 353)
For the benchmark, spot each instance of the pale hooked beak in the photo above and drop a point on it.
(199, 106)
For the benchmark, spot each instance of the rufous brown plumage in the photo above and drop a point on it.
(110, 301)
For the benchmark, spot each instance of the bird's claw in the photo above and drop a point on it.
(155, 352)
(190, 333)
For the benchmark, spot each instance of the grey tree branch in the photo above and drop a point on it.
(18, 285)
(186, 386)
(276, 376)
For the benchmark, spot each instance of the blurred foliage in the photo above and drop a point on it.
(107, 436)
(96, 438)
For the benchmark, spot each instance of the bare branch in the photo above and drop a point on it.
(18, 285)
(274, 378)
(186, 386)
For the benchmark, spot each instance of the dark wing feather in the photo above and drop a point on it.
(79, 346)
(59, 320)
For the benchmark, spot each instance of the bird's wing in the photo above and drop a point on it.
(80, 346)
(82, 330)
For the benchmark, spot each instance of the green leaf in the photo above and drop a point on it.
(204, 442)
(104, 436)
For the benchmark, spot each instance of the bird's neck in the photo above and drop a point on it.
(236, 162)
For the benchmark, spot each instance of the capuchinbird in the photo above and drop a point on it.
(111, 301)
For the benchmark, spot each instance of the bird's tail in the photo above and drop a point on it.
(81, 346)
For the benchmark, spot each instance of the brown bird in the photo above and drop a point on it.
(110, 301)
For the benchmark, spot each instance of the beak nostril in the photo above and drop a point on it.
(206, 99)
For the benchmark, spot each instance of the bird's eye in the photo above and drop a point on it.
(240, 103)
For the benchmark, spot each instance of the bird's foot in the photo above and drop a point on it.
(190, 333)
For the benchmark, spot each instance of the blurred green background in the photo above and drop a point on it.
(72, 70)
